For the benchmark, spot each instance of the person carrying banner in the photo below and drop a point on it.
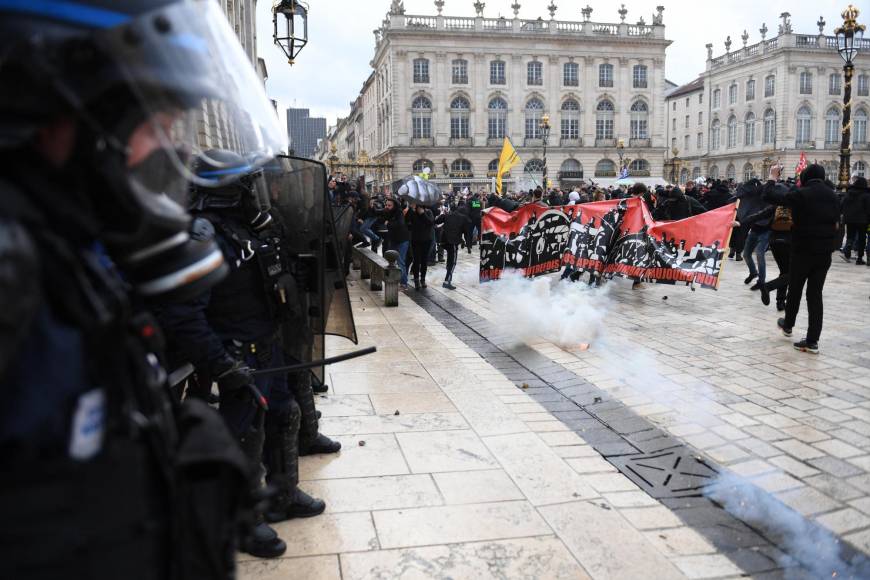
(815, 234)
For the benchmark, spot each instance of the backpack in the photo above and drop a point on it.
(782, 221)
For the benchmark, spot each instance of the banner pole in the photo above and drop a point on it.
(727, 245)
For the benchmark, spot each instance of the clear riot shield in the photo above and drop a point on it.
(301, 208)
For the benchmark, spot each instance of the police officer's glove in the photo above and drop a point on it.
(234, 376)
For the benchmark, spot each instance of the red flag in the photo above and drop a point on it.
(802, 164)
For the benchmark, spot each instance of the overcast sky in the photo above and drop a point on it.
(330, 71)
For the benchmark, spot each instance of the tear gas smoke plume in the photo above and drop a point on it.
(817, 549)
(562, 313)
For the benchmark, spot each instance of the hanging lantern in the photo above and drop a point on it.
(290, 20)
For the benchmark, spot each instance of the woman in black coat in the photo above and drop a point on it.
(455, 224)
(856, 216)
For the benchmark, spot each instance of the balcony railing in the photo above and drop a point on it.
(497, 80)
(460, 141)
(639, 172)
(460, 80)
(605, 173)
(605, 142)
(421, 79)
(861, 146)
(529, 142)
(638, 142)
(422, 142)
(462, 174)
(495, 141)
(571, 174)
(832, 144)
(575, 142)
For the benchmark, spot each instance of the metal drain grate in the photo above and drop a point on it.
(669, 473)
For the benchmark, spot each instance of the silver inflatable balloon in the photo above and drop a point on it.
(417, 190)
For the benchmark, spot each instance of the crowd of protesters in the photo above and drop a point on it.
(801, 222)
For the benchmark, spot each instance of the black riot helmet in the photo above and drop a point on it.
(237, 184)
(144, 82)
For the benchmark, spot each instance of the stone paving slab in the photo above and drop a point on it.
(486, 516)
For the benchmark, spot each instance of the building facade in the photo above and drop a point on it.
(767, 103)
(445, 92)
(304, 131)
(214, 129)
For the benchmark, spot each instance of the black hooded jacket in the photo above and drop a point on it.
(815, 214)
(856, 203)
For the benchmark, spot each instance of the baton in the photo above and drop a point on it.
(316, 363)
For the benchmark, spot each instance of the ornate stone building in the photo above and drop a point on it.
(445, 91)
(214, 130)
(767, 102)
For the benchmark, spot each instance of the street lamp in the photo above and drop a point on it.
(545, 133)
(675, 167)
(848, 42)
(294, 35)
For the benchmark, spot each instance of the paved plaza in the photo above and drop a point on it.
(475, 448)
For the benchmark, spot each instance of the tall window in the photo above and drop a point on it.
(571, 74)
(497, 125)
(700, 117)
(534, 110)
(769, 135)
(769, 86)
(496, 72)
(686, 123)
(639, 167)
(638, 76)
(806, 83)
(535, 73)
(460, 166)
(604, 120)
(804, 124)
(696, 173)
(421, 118)
(748, 172)
(732, 132)
(730, 171)
(534, 166)
(832, 125)
(863, 85)
(834, 84)
(717, 98)
(421, 70)
(685, 142)
(460, 72)
(459, 108)
(639, 123)
(859, 126)
(605, 75)
(714, 171)
(605, 168)
(750, 90)
(749, 130)
(700, 143)
(732, 94)
(570, 120)
(700, 98)
(493, 165)
(715, 129)
(860, 169)
(420, 165)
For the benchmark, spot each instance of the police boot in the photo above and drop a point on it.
(283, 471)
(311, 441)
(261, 540)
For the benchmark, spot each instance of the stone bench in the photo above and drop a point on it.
(381, 272)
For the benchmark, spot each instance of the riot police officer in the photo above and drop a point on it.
(235, 327)
(96, 100)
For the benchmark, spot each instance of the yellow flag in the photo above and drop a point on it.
(506, 161)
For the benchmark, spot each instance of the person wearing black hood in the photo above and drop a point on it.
(718, 196)
(815, 234)
(856, 215)
(758, 236)
(675, 205)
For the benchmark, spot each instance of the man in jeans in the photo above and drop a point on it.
(815, 236)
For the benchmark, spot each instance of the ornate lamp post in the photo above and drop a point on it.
(545, 134)
(848, 42)
(294, 35)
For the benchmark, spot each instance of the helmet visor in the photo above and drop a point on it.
(183, 60)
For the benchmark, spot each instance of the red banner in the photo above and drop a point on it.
(606, 238)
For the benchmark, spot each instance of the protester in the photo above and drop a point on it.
(421, 224)
(398, 236)
(856, 216)
(454, 224)
(758, 233)
(815, 231)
